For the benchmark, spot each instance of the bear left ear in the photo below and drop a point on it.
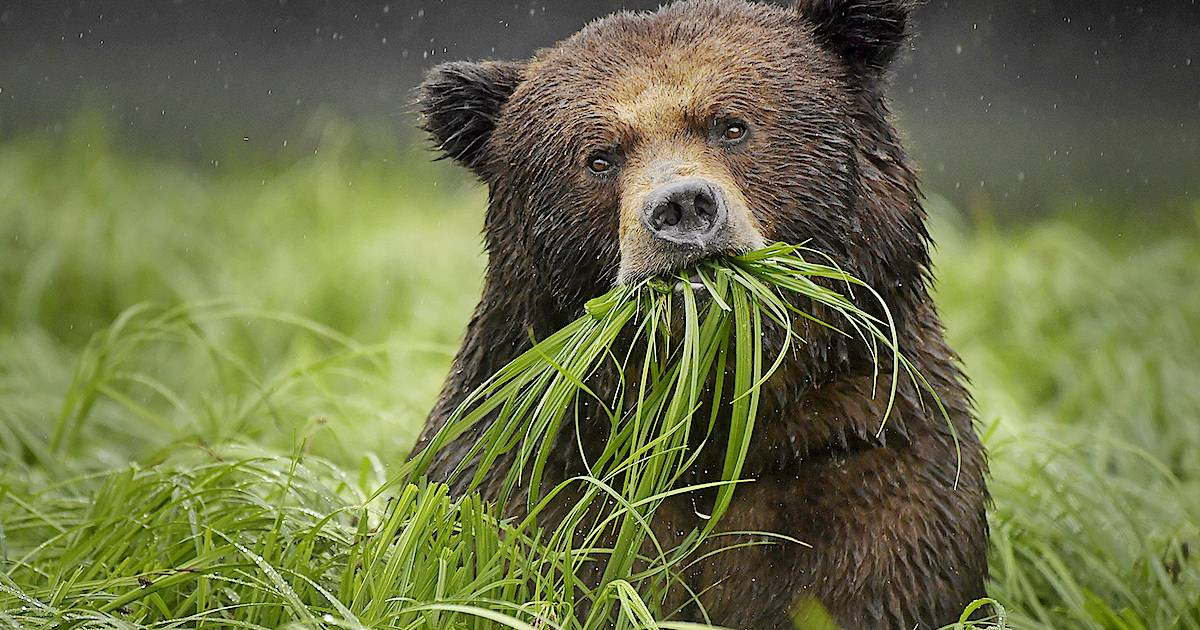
(866, 33)
(460, 103)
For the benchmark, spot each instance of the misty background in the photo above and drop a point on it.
(1012, 108)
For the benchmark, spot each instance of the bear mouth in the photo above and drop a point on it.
(693, 280)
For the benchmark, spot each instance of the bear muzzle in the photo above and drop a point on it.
(692, 213)
(681, 222)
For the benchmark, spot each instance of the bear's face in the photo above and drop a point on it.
(648, 141)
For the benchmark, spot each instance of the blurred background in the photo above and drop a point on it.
(218, 226)
(1015, 107)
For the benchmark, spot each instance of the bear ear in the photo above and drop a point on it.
(866, 33)
(460, 103)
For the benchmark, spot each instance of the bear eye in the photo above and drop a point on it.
(733, 131)
(599, 164)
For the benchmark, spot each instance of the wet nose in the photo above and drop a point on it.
(689, 212)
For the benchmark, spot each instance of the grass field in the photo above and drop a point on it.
(206, 375)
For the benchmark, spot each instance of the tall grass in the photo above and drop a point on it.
(1082, 346)
(233, 455)
(671, 378)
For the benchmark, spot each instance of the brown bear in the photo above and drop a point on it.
(648, 141)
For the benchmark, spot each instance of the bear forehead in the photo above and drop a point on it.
(688, 44)
(683, 63)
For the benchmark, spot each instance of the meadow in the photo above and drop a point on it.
(209, 374)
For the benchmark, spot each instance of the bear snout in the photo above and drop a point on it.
(680, 222)
(692, 213)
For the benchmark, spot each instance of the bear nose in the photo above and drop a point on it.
(690, 212)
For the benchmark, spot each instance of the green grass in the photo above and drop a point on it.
(672, 351)
(229, 442)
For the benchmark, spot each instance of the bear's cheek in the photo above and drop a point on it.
(569, 229)
(801, 187)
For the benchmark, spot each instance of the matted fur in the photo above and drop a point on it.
(895, 542)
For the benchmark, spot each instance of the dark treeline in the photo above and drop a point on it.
(1010, 105)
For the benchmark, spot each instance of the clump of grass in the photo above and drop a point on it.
(268, 542)
(696, 357)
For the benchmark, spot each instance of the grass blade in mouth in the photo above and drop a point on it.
(682, 346)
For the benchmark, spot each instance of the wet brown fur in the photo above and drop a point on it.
(895, 542)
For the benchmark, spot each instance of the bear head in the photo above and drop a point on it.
(650, 140)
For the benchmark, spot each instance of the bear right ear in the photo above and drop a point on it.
(460, 103)
(866, 33)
